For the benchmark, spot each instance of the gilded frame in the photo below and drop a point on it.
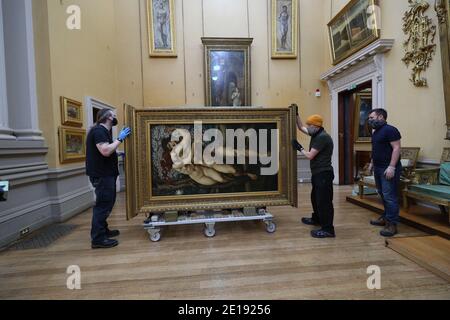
(138, 153)
(71, 112)
(442, 8)
(343, 21)
(291, 29)
(65, 156)
(224, 46)
(166, 49)
(359, 97)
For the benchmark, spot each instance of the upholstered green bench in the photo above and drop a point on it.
(437, 191)
(431, 185)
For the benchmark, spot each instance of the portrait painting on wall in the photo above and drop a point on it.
(72, 146)
(227, 66)
(284, 28)
(363, 103)
(353, 28)
(161, 28)
(71, 112)
(209, 158)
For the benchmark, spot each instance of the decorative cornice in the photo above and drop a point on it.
(379, 46)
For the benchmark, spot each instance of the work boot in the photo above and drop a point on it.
(380, 222)
(389, 230)
(322, 234)
(106, 243)
(310, 222)
(112, 233)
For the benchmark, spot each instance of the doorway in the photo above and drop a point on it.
(353, 108)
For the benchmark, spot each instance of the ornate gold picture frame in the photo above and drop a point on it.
(161, 28)
(155, 182)
(72, 145)
(227, 68)
(284, 29)
(353, 28)
(71, 112)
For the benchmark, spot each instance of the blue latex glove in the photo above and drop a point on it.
(124, 134)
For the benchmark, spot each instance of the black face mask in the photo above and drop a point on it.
(114, 123)
(376, 124)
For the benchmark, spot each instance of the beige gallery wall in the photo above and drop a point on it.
(108, 58)
(418, 112)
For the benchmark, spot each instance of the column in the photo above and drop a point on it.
(20, 69)
(5, 131)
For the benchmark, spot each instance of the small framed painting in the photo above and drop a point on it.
(72, 145)
(71, 112)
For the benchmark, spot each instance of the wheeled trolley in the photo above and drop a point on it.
(154, 224)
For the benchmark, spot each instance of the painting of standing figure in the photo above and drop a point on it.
(284, 28)
(161, 28)
(228, 76)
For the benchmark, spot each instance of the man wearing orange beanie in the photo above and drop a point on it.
(320, 153)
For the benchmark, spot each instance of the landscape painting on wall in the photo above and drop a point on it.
(353, 28)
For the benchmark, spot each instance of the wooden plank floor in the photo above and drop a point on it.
(433, 253)
(425, 218)
(241, 262)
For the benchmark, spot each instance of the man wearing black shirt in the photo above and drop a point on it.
(102, 169)
(386, 165)
(321, 151)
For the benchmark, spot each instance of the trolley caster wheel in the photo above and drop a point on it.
(155, 237)
(271, 227)
(209, 233)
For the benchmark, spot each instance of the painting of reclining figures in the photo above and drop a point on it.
(180, 164)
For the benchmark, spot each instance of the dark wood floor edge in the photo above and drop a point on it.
(408, 222)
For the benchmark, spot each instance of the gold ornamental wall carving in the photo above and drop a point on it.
(419, 46)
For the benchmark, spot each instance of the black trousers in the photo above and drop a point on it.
(105, 192)
(322, 200)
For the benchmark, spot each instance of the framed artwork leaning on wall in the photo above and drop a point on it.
(181, 159)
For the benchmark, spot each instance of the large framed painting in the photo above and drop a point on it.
(353, 28)
(161, 28)
(227, 70)
(71, 112)
(182, 159)
(284, 29)
(72, 145)
(363, 104)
